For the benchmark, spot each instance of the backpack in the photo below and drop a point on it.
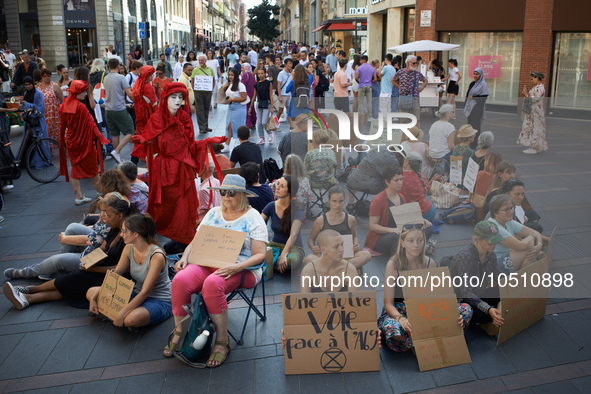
(302, 96)
(200, 322)
(272, 169)
(322, 86)
(459, 215)
(222, 64)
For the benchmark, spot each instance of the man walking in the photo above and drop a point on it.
(331, 60)
(185, 78)
(252, 56)
(341, 84)
(386, 75)
(167, 65)
(365, 76)
(118, 119)
(203, 97)
(283, 80)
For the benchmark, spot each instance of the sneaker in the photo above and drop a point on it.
(1, 219)
(45, 277)
(14, 296)
(226, 149)
(83, 200)
(282, 120)
(261, 142)
(7, 187)
(116, 156)
(270, 137)
(23, 289)
(530, 151)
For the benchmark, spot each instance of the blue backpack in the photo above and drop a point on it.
(200, 322)
(459, 215)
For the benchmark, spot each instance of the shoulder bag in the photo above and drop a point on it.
(407, 103)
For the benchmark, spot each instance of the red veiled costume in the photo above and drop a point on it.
(143, 110)
(82, 132)
(172, 201)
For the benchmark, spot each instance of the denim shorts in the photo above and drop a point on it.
(159, 310)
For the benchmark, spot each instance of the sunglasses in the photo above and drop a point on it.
(508, 209)
(230, 193)
(413, 226)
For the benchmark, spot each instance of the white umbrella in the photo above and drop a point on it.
(423, 46)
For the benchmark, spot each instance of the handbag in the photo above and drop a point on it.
(527, 106)
(221, 99)
(98, 92)
(270, 126)
(264, 104)
(444, 195)
(407, 103)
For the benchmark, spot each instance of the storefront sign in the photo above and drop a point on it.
(357, 11)
(426, 18)
(491, 65)
(376, 1)
(80, 19)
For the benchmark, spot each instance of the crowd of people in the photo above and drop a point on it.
(185, 186)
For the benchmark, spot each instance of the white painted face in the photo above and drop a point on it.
(81, 96)
(174, 101)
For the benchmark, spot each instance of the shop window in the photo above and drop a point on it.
(494, 48)
(117, 6)
(409, 24)
(571, 77)
(131, 7)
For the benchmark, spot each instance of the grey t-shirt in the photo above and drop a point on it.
(115, 85)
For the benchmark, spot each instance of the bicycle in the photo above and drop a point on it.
(39, 155)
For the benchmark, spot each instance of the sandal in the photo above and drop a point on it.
(217, 356)
(170, 349)
(13, 273)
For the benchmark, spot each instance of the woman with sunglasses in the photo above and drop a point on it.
(143, 259)
(512, 253)
(409, 256)
(233, 214)
(383, 235)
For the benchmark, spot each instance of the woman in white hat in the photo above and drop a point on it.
(214, 283)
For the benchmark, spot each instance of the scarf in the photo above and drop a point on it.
(29, 96)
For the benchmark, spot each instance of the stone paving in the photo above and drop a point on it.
(53, 348)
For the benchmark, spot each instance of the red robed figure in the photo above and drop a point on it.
(143, 110)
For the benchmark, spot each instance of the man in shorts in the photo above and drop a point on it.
(410, 82)
(118, 118)
(282, 81)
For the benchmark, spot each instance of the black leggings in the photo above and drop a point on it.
(492, 297)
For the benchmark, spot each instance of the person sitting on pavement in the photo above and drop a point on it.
(442, 136)
(321, 162)
(505, 171)
(250, 172)
(145, 261)
(415, 186)
(479, 260)
(316, 276)
(286, 221)
(383, 235)
(247, 152)
(340, 221)
(294, 166)
(68, 260)
(208, 198)
(112, 181)
(409, 256)
(466, 135)
(528, 217)
(514, 254)
(296, 141)
(223, 161)
(422, 148)
(139, 190)
(73, 286)
(485, 142)
(484, 180)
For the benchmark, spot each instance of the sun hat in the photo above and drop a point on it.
(466, 131)
(234, 182)
(488, 231)
(418, 133)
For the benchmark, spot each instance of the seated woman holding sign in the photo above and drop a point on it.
(214, 283)
(73, 286)
(338, 220)
(143, 259)
(524, 213)
(409, 256)
(466, 135)
(383, 234)
(512, 253)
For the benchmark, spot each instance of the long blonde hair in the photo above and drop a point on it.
(400, 259)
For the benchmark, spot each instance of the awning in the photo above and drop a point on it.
(318, 28)
(342, 26)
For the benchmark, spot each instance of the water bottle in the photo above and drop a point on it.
(200, 340)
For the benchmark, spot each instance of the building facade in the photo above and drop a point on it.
(390, 23)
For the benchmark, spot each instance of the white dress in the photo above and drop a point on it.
(533, 131)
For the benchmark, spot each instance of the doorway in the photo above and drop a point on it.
(81, 46)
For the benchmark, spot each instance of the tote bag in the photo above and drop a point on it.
(99, 92)
(444, 195)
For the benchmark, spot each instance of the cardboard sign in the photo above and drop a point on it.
(455, 169)
(203, 82)
(438, 339)
(330, 332)
(522, 305)
(551, 242)
(348, 246)
(409, 213)
(216, 247)
(491, 65)
(114, 294)
(471, 174)
(93, 258)
(520, 214)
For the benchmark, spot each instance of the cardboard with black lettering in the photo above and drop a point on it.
(330, 332)
(433, 312)
(216, 247)
(409, 213)
(93, 258)
(522, 304)
(114, 294)
(471, 175)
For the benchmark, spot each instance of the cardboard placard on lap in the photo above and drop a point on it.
(471, 174)
(348, 246)
(409, 213)
(114, 294)
(216, 247)
(93, 258)
(330, 332)
(455, 169)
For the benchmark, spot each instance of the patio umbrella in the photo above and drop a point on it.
(423, 46)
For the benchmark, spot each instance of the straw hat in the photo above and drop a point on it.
(234, 182)
(418, 133)
(466, 131)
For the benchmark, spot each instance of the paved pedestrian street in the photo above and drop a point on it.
(54, 348)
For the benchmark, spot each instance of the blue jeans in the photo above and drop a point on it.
(75, 229)
(63, 262)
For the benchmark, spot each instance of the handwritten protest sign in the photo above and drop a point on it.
(93, 258)
(520, 214)
(203, 82)
(471, 174)
(330, 332)
(216, 247)
(348, 246)
(433, 312)
(409, 213)
(455, 169)
(522, 304)
(114, 294)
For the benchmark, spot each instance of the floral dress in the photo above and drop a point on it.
(533, 131)
(52, 105)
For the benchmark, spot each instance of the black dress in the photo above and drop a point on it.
(475, 118)
(73, 286)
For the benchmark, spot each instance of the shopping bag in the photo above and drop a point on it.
(444, 195)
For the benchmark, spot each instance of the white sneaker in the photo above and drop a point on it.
(116, 156)
(14, 296)
(7, 187)
(83, 200)
(226, 149)
(530, 151)
(261, 142)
